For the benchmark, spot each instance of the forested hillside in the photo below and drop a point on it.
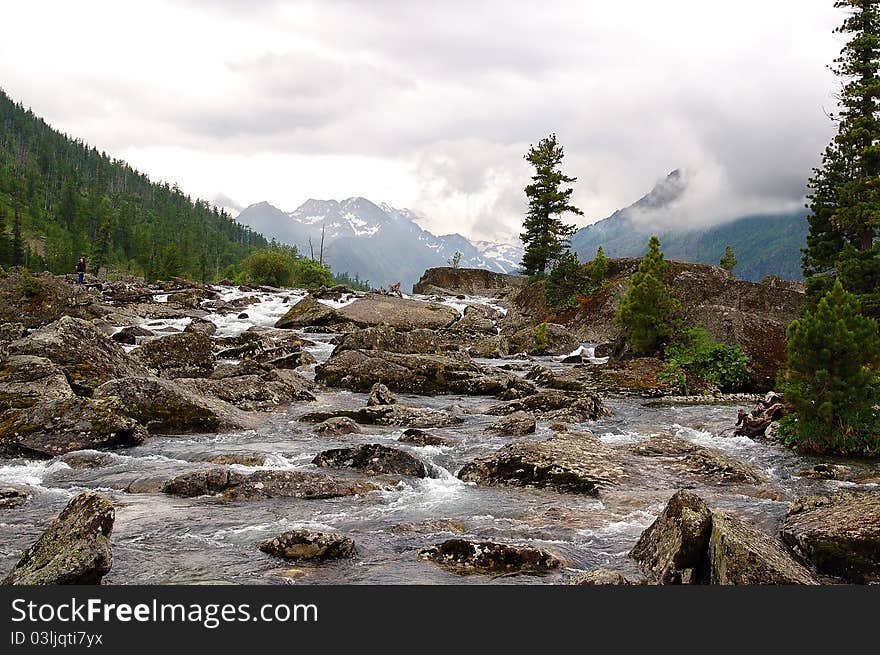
(60, 198)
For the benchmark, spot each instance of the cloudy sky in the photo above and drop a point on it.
(431, 105)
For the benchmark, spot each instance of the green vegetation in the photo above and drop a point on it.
(279, 266)
(646, 311)
(723, 367)
(832, 378)
(728, 259)
(30, 286)
(455, 260)
(569, 280)
(542, 337)
(60, 199)
(545, 236)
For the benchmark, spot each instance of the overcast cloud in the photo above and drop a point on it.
(431, 105)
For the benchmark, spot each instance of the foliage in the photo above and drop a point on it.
(728, 259)
(75, 200)
(566, 281)
(646, 310)
(598, 270)
(455, 260)
(269, 266)
(542, 337)
(545, 236)
(845, 197)
(309, 274)
(832, 378)
(30, 286)
(724, 367)
(354, 283)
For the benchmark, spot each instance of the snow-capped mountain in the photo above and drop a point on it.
(379, 243)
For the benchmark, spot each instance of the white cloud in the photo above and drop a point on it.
(432, 105)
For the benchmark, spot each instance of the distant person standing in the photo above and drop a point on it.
(80, 270)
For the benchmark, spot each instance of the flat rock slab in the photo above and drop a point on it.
(74, 549)
(489, 557)
(569, 463)
(399, 313)
(26, 380)
(839, 534)
(688, 457)
(390, 415)
(373, 458)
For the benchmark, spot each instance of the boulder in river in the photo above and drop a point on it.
(337, 426)
(181, 355)
(373, 458)
(739, 554)
(490, 557)
(359, 370)
(26, 380)
(380, 395)
(130, 334)
(391, 415)
(89, 358)
(569, 463)
(387, 338)
(308, 545)
(250, 392)
(421, 438)
(307, 311)
(694, 459)
(74, 549)
(556, 340)
(839, 534)
(60, 426)
(556, 405)
(604, 578)
(201, 326)
(37, 300)
(11, 497)
(164, 406)
(673, 549)
(515, 425)
(398, 313)
(263, 484)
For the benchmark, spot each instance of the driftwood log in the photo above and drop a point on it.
(754, 424)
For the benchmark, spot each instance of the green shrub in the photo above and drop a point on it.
(270, 266)
(832, 379)
(566, 281)
(542, 337)
(30, 286)
(309, 274)
(723, 367)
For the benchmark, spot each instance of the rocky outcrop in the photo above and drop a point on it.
(164, 407)
(308, 545)
(554, 340)
(274, 349)
(250, 392)
(673, 550)
(74, 549)
(514, 425)
(201, 326)
(742, 555)
(60, 426)
(569, 463)
(398, 313)
(337, 426)
(182, 355)
(26, 380)
(373, 458)
(88, 358)
(35, 301)
(692, 544)
(489, 557)
(472, 281)
(418, 437)
(690, 458)
(380, 395)
(307, 312)
(839, 534)
(359, 370)
(390, 415)
(555, 405)
(389, 339)
(262, 485)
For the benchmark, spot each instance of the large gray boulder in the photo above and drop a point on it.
(398, 313)
(87, 356)
(181, 355)
(262, 485)
(373, 458)
(839, 534)
(569, 463)
(306, 312)
(390, 415)
(26, 380)
(517, 424)
(490, 557)
(690, 458)
(308, 545)
(673, 549)
(74, 549)
(359, 370)
(250, 392)
(555, 405)
(60, 426)
(387, 338)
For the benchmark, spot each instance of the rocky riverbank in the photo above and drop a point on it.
(233, 431)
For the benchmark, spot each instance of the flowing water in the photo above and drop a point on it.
(161, 539)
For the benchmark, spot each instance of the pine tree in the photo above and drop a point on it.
(5, 243)
(646, 310)
(566, 281)
(831, 380)
(103, 243)
(545, 236)
(728, 259)
(18, 253)
(598, 269)
(844, 201)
